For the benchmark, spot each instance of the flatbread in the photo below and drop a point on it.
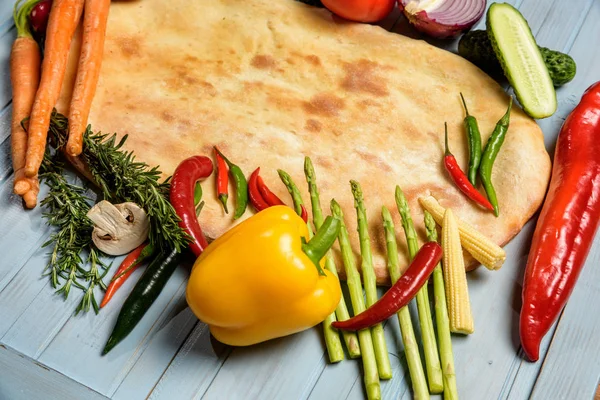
(272, 81)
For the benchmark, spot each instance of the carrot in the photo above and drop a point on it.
(95, 17)
(63, 20)
(25, 77)
(30, 198)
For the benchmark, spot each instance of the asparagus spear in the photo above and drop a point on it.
(383, 360)
(342, 310)
(332, 339)
(411, 349)
(432, 358)
(371, 376)
(441, 317)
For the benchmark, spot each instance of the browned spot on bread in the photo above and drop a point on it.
(362, 76)
(189, 80)
(129, 46)
(314, 60)
(323, 162)
(313, 125)
(208, 88)
(167, 116)
(191, 59)
(261, 61)
(326, 104)
(374, 160)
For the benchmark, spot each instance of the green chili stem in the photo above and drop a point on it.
(371, 376)
(488, 158)
(432, 358)
(341, 311)
(147, 251)
(411, 349)
(383, 360)
(441, 318)
(197, 193)
(474, 141)
(332, 338)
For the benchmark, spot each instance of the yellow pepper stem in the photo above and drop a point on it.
(319, 245)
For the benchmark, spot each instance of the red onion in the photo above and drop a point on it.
(442, 18)
(38, 17)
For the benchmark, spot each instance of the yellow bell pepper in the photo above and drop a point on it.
(262, 280)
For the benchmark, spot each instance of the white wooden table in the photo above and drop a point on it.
(47, 353)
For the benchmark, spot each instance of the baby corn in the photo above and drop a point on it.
(455, 277)
(488, 253)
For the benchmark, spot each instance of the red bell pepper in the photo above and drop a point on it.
(566, 225)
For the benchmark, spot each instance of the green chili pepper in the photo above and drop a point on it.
(474, 140)
(146, 290)
(241, 187)
(490, 152)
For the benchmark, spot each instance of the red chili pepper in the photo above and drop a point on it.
(304, 213)
(401, 293)
(188, 172)
(129, 264)
(222, 180)
(461, 180)
(255, 197)
(567, 223)
(270, 197)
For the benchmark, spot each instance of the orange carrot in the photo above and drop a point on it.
(30, 198)
(95, 18)
(25, 78)
(63, 20)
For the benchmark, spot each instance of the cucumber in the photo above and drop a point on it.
(475, 46)
(562, 67)
(521, 60)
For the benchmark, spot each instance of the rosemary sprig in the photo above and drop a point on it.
(121, 178)
(67, 206)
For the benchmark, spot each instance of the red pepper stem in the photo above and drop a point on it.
(319, 245)
(223, 199)
(447, 148)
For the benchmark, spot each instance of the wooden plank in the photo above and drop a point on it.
(572, 367)
(161, 349)
(568, 97)
(6, 40)
(88, 334)
(26, 379)
(38, 306)
(558, 33)
(6, 18)
(283, 368)
(193, 368)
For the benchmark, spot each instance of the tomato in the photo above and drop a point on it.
(360, 10)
